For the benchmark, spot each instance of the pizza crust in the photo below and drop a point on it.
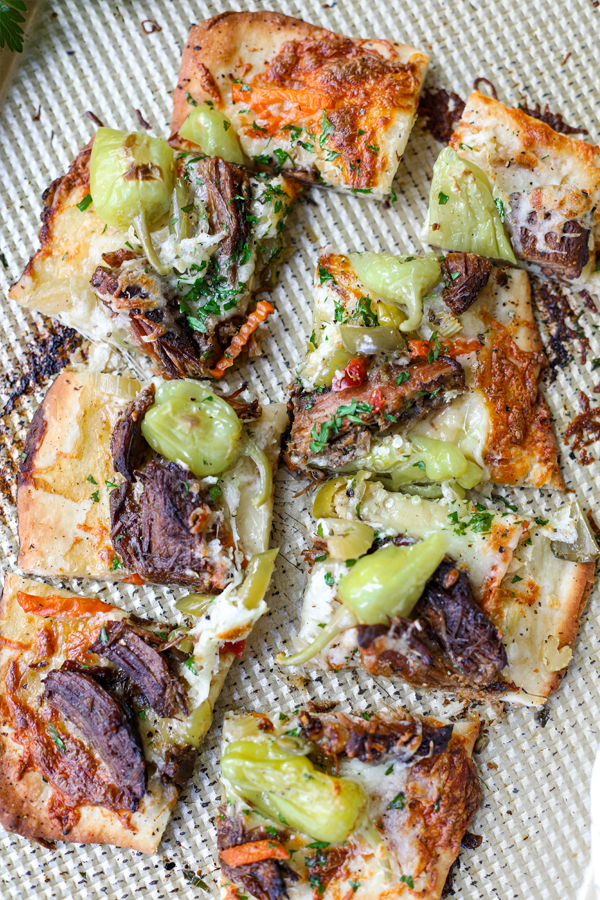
(519, 153)
(412, 844)
(237, 47)
(62, 530)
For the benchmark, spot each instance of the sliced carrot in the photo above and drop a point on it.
(55, 605)
(294, 105)
(256, 851)
(134, 579)
(450, 348)
(263, 309)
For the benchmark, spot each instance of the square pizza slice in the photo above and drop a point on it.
(418, 359)
(181, 302)
(450, 594)
(326, 108)
(170, 484)
(103, 712)
(363, 804)
(513, 187)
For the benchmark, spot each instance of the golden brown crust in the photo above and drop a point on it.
(275, 76)
(29, 805)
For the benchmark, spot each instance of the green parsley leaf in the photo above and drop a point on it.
(195, 881)
(324, 274)
(116, 564)
(407, 879)
(270, 830)
(398, 802)
(419, 465)
(402, 377)
(95, 497)
(103, 635)
(57, 738)
(142, 714)
(189, 664)
(329, 580)
(516, 579)
(190, 99)
(354, 885)
(110, 484)
(539, 521)
(326, 129)
(500, 207)
(443, 198)
(318, 845)
(84, 203)
(366, 716)
(283, 717)
(389, 769)
(215, 491)
(91, 479)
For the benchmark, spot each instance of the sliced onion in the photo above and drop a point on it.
(342, 620)
(115, 385)
(553, 658)
(347, 539)
(366, 341)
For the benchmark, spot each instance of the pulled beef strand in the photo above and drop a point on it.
(265, 880)
(584, 430)
(459, 625)
(144, 665)
(374, 741)
(382, 403)
(164, 535)
(553, 119)
(127, 442)
(439, 111)
(105, 722)
(465, 276)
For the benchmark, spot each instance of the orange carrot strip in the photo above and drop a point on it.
(256, 851)
(263, 309)
(451, 348)
(259, 97)
(54, 605)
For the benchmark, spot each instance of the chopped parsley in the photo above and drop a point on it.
(443, 198)
(363, 309)
(189, 664)
(84, 203)
(96, 497)
(329, 580)
(372, 148)
(327, 128)
(480, 522)
(91, 479)
(283, 717)
(389, 769)
(500, 207)
(516, 579)
(193, 879)
(354, 885)
(398, 802)
(190, 99)
(505, 501)
(110, 484)
(360, 190)
(271, 830)
(539, 521)
(103, 635)
(317, 845)
(402, 377)
(116, 564)
(321, 437)
(419, 465)
(142, 714)
(366, 716)
(324, 274)
(215, 491)
(408, 880)
(57, 738)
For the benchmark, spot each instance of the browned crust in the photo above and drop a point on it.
(24, 795)
(533, 133)
(214, 43)
(66, 190)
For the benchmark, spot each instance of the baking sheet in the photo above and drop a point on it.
(94, 56)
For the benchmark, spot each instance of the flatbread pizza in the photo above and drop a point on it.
(465, 596)
(103, 713)
(372, 804)
(415, 357)
(174, 291)
(520, 190)
(328, 109)
(96, 499)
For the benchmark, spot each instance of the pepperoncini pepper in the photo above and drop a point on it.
(403, 282)
(192, 425)
(390, 581)
(291, 788)
(131, 183)
(213, 133)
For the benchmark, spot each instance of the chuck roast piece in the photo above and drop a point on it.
(376, 740)
(144, 665)
(465, 276)
(450, 643)
(336, 426)
(168, 533)
(146, 305)
(224, 189)
(127, 443)
(265, 880)
(459, 625)
(550, 226)
(106, 723)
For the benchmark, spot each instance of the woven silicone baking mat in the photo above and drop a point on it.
(95, 56)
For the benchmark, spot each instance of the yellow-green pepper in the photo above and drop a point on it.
(291, 789)
(403, 282)
(213, 133)
(131, 182)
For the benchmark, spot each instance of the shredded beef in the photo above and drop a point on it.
(107, 723)
(265, 880)
(553, 119)
(459, 625)
(167, 534)
(376, 405)
(127, 443)
(144, 665)
(450, 643)
(377, 739)
(465, 276)
(178, 765)
(439, 111)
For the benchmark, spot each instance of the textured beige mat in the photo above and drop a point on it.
(94, 56)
